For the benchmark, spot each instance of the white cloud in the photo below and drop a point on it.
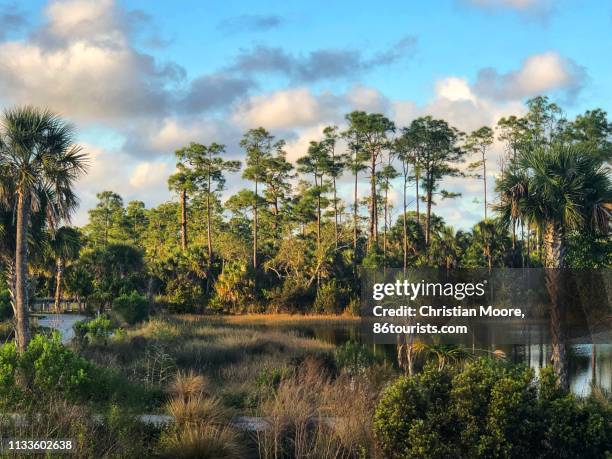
(289, 108)
(123, 174)
(149, 175)
(538, 74)
(80, 63)
(366, 98)
(454, 89)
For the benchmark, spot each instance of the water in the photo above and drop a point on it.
(584, 365)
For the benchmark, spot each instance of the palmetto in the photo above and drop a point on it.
(560, 189)
(39, 165)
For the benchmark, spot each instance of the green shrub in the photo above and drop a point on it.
(132, 308)
(95, 331)
(354, 357)
(52, 367)
(331, 298)
(9, 364)
(489, 409)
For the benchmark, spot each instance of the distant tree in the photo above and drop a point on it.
(65, 245)
(355, 160)
(592, 130)
(478, 142)
(136, 220)
(316, 162)
(334, 170)
(106, 220)
(278, 172)
(206, 175)
(258, 145)
(182, 182)
(439, 152)
(372, 131)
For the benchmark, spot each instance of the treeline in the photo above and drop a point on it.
(289, 242)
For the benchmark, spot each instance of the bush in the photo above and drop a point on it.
(354, 357)
(488, 409)
(9, 364)
(331, 298)
(132, 308)
(94, 331)
(52, 367)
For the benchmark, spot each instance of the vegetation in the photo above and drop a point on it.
(489, 409)
(193, 303)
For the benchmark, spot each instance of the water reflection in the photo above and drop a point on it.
(587, 363)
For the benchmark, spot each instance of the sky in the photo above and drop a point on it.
(140, 79)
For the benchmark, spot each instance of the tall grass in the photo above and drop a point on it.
(201, 426)
(313, 415)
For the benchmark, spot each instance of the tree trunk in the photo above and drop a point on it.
(418, 214)
(385, 225)
(405, 224)
(58, 283)
(373, 203)
(255, 228)
(484, 178)
(184, 219)
(209, 224)
(554, 262)
(335, 191)
(21, 273)
(355, 207)
(428, 220)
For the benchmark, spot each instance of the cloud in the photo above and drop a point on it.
(161, 138)
(290, 108)
(319, 64)
(251, 23)
(538, 74)
(133, 179)
(214, 91)
(11, 19)
(149, 174)
(80, 62)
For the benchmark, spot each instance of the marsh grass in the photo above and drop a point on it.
(228, 352)
(201, 425)
(114, 433)
(313, 414)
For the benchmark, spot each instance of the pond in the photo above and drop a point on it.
(587, 363)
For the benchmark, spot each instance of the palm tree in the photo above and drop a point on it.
(64, 245)
(39, 157)
(561, 189)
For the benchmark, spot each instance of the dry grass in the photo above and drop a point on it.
(188, 384)
(198, 409)
(312, 415)
(202, 441)
(281, 320)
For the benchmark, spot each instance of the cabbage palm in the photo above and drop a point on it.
(40, 164)
(561, 189)
(64, 246)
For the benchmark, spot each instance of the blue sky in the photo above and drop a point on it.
(140, 79)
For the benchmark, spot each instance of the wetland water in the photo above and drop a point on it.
(585, 361)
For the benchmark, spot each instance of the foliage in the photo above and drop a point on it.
(132, 308)
(96, 330)
(331, 298)
(488, 409)
(354, 358)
